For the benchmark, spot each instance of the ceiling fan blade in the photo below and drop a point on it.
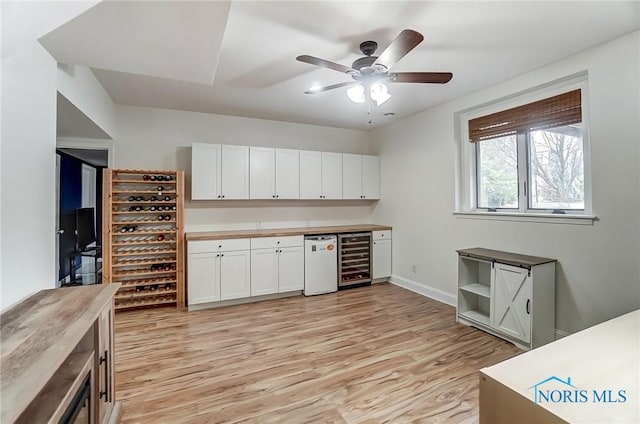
(326, 64)
(406, 41)
(421, 77)
(330, 87)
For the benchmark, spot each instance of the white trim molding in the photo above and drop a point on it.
(431, 292)
(529, 217)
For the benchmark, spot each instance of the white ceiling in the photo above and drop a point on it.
(165, 54)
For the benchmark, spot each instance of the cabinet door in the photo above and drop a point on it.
(331, 175)
(205, 171)
(235, 172)
(105, 364)
(235, 274)
(291, 269)
(203, 280)
(262, 173)
(381, 258)
(287, 174)
(371, 177)
(264, 271)
(511, 301)
(351, 176)
(310, 175)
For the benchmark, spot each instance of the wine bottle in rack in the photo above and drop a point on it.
(132, 198)
(153, 198)
(161, 218)
(146, 177)
(167, 217)
(139, 198)
(167, 198)
(160, 237)
(160, 188)
(168, 177)
(153, 178)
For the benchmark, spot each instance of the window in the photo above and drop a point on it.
(528, 159)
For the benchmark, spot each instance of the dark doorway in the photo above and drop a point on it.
(80, 186)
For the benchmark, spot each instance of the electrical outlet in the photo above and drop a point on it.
(413, 268)
(259, 225)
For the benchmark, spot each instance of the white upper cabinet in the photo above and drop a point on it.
(320, 175)
(360, 176)
(235, 172)
(370, 177)
(262, 181)
(310, 175)
(351, 176)
(219, 172)
(332, 175)
(205, 171)
(287, 174)
(227, 172)
(274, 173)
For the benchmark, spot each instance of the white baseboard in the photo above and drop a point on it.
(433, 293)
(442, 296)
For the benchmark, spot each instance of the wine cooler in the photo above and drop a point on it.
(354, 260)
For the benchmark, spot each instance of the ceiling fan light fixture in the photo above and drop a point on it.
(379, 93)
(356, 93)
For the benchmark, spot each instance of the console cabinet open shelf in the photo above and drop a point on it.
(143, 237)
(509, 295)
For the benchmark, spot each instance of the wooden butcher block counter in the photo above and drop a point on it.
(283, 232)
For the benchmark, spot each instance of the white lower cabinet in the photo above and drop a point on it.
(218, 270)
(204, 277)
(381, 254)
(277, 265)
(235, 274)
(509, 295)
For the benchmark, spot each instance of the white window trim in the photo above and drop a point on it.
(465, 199)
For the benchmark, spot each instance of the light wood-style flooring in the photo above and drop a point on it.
(368, 355)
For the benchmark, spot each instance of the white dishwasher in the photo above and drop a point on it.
(320, 264)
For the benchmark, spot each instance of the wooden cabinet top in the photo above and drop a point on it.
(504, 257)
(282, 232)
(38, 334)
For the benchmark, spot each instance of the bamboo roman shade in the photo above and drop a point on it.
(563, 109)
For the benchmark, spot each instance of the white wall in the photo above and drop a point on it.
(598, 276)
(161, 139)
(82, 89)
(28, 136)
(28, 169)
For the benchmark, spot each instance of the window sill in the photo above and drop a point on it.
(548, 218)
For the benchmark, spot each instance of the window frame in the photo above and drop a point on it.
(466, 205)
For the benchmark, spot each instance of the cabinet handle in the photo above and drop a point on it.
(104, 360)
(223, 196)
(273, 196)
(219, 246)
(277, 196)
(218, 255)
(219, 196)
(374, 242)
(528, 303)
(222, 254)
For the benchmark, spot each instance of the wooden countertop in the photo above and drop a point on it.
(504, 257)
(38, 334)
(282, 232)
(603, 357)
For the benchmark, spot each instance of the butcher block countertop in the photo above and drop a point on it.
(282, 232)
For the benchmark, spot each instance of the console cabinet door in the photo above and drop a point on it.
(105, 364)
(512, 297)
(203, 277)
(235, 274)
(291, 269)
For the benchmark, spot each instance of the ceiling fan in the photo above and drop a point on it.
(371, 73)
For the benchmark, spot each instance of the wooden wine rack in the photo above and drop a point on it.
(141, 251)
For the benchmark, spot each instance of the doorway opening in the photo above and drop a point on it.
(79, 214)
